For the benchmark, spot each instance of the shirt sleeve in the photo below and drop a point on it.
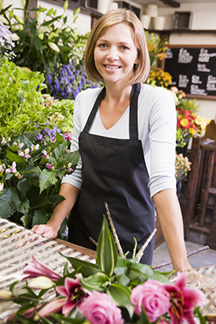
(162, 141)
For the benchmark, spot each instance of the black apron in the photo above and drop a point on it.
(114, 170)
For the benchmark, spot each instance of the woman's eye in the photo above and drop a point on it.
(102, 45)
(124, 47)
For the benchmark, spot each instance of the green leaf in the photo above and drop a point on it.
(159, 277)
(123, 280)
(66, 320)
(20, 97)
(138, 269)
(86, 268)
(144, 318)
(26, 220)
(95, 282)
(198, 313)
(14, 157)
(47, 178)
(65, 5)
(9, 201)
(39, 218)
(23, 186)
(106, 250)
(121, 296)
(24, 206)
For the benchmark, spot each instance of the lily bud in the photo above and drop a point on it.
(41, 282)
(54, 47)
(5, 295)
(19, 19)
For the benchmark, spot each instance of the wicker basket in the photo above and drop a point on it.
(204, 279)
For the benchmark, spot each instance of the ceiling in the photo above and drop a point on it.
(162, 3)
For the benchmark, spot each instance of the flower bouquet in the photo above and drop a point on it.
(189, 123)
(182, 166)
(113, 290)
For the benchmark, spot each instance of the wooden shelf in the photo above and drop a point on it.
(182, 30)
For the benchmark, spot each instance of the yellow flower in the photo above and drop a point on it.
(184, 122)
(192, 131)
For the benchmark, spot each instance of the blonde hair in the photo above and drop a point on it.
(113, 17)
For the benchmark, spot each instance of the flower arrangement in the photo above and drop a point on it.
(157, 47)
(189, 123)
(31, 168)
(182, 166)
(113, 290)
(157, 77)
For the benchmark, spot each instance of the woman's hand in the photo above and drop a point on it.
(46, 230)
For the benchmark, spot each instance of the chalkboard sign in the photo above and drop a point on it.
(193, 69)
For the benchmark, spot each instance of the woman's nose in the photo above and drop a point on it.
(112, 53)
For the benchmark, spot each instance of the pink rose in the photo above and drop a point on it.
(153, 296)
(99, 308)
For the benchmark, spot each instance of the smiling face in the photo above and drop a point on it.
(115, 54)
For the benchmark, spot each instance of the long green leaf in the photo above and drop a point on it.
(121, 296)
(86, 268)
(106, 250)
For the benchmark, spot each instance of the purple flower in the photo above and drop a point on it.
(183, 300)
(3, 141)
(20, 153)
(99, 308)
(13, 168)
(27, 155)
(153, 296)
(69, 169)
(49, 78)
(39, 137)
(35, 269)
(74, 292)
(49, 166)
(20, 145)
(45, 154)
(56, 84)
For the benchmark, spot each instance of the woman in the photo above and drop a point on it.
(126, 137)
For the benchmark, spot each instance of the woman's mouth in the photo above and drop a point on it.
(112, 67)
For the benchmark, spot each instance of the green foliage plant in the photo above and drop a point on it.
(45, 38)
(31, 169)
(23, 106)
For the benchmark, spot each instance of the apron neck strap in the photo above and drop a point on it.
(133, 111)
(94, 110)
(133, 123)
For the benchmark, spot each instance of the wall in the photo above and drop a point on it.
(203, 18)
